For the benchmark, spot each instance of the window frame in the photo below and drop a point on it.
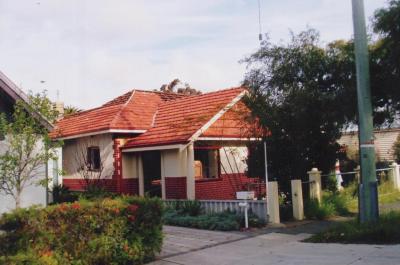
(93, 163)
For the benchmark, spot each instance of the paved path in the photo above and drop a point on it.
(179, 240)
(270, 246)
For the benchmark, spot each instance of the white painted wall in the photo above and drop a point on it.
(233, 159)
(73, 149)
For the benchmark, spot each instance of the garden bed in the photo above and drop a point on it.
(190, 214)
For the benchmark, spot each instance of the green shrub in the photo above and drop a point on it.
(385, 231)
(331, 204)
(186, 207)
(331, 183)
(125, 230)
(219, 221)
(285, 207)
(63, 194)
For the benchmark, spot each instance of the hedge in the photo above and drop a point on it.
(126, 230)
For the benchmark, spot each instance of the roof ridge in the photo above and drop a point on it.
(122, 108)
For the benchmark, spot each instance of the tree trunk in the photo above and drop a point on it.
(18, 198)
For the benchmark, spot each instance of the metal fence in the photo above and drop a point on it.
(258, 207)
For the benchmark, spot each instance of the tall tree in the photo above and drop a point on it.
(28, 146)
(300, 92)
(385, 65)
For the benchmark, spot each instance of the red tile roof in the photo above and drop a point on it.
(134, 110)
(176, 121)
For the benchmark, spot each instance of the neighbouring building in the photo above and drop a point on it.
(384, 141)
(164, 144)
(32, 194)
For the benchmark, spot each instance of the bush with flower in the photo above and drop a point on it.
(125, 230)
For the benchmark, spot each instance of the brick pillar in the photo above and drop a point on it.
(117, 176)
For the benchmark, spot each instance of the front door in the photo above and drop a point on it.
(152, 173)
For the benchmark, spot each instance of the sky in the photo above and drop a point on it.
(86, 52)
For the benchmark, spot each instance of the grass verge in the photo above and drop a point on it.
(385, 231)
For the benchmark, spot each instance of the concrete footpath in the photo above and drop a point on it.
(270, 246)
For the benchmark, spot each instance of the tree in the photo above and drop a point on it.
(301, 93)
(176, 86)
(70, 110)
(28, 145)
(385, 65)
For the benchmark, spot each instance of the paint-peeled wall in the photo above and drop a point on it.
(75, 150)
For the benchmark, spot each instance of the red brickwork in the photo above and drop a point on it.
(175, 188)
(225, 187)
(80, 184)
(130, 186)
(117, 175)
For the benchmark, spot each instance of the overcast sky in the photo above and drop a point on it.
(94, 50)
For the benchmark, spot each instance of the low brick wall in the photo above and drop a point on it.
(225, 187)
(130, 186)
(175, 188)
(80, 184)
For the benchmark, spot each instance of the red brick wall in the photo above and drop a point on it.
(117, 175)
(130, 186)
(225, 187)
(175, 188)
(80, 184)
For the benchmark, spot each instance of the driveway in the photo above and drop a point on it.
(270, 246)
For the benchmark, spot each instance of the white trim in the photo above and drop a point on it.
(101, 132)
(227, 139)
(204, 128)
(151, 148)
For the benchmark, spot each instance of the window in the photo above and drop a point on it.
(93, 158)
(206, 163)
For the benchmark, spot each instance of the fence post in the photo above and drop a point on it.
(314, 177)
(395, 175)
(273, 202)
(297, 199)
(357, 170)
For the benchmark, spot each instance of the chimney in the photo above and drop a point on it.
(60, 109)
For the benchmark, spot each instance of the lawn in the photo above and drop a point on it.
(385, 231)
(386, 192)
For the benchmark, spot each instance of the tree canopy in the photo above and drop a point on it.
(28, 146)
(305, 93)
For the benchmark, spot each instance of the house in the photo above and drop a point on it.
(384, 141)
(164, 144)
(32, 194)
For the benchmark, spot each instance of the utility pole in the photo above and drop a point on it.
(368, 194)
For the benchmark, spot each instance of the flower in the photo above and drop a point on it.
(116, 210)
(75, 206)
(131, 218)
(132, 208)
